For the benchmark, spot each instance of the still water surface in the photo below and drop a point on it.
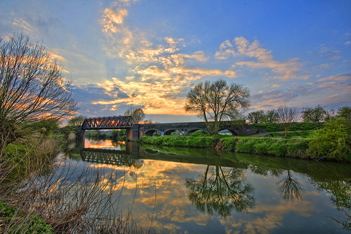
(181, 190)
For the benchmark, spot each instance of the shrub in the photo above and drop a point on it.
(245, 145)
(20, 223)
(333, 141)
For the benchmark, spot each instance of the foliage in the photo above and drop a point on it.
(31, 86)
(256, 117)
(76, 121)
(296, 126)
(317, 114)
(333, 140)
(29, 155)
(271, 116)
(344, 112)
(26, 225)
(103, 135)
(217, 101)
(137, 114)
(194, 141)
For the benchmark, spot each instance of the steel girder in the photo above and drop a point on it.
(110, 122)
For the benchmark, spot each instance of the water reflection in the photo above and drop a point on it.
(221, 190)
(290, 188)
(192, 190)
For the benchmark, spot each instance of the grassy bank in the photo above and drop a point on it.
(294, 147)
(330, 140)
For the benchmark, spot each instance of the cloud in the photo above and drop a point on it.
(112, 19)
(159, 71)
(321, 91)
(259, 58)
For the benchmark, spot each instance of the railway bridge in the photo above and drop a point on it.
(135, 130)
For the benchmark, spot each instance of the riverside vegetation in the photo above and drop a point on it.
(329, 140)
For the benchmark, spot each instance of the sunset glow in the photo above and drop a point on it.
(148, 54)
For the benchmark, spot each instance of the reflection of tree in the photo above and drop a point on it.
(290, 188)
(340, 196)
(220, 190)
(260, 170)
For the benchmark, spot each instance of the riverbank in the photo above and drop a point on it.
(296, 147)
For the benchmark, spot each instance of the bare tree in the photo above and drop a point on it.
(217, 101)
(287, 115)
(31, 86)
(137, 114)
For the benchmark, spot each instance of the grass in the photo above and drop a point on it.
(276, 146)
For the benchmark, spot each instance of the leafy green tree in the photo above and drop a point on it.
(217, 101)
(332, 141)
(76, 121)
(271, 116)
(256, 117)
(317, 114)
(344, 112)
(137, 114)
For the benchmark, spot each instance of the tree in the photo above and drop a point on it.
(31, 86)
(271, 116)
(345, 112)
(332, 141)
(286, 115)
(256, 117)
(137, 114)
(317, 114)
(217, 101)
(76, 121)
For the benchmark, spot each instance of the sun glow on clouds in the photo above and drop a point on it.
(160, 73)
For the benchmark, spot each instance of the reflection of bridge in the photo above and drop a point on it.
(134, 130)
(134, 156)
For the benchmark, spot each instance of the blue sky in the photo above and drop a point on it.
(148, 54)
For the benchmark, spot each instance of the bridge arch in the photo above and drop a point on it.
(194, 130)
(231, 130)
(151, 132)
(169, 131)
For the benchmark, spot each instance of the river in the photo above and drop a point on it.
(182, 190)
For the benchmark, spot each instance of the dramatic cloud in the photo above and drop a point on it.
(262, 58)
(159, 73)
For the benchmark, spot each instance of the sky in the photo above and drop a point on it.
(149, 53)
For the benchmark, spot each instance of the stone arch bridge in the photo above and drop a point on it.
(135, 130)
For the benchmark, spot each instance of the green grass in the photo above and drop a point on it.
(21, 223)
(276, 146)
(277, 127)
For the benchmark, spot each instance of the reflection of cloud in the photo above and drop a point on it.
(262, 58)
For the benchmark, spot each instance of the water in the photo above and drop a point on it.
(181, 190)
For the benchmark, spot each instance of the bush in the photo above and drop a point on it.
(245, 145)
(333, 141)
(20, 223)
